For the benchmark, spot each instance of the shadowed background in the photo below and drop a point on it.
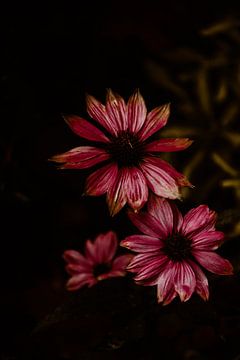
(186, 53)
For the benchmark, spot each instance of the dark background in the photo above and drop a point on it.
(50, 58)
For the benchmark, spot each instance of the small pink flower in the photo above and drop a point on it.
(174, 249)
(129, 163)
(97, 264)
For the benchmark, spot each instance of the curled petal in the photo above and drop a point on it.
(197, 219)
(81, 157)
(159, 181)
(213, 262)
(101, 180)
(147, 224)
(85, 129)
(168, 145)
(184, 280)
(98, 112)
(155, 120)
(207, 240)
(142, 243)
(117, 110)
(136, 112)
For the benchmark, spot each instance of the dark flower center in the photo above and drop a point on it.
(101, 269)
(126, 149)
(177, 247)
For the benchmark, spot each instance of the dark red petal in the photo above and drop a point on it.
(116, 110)
(85, 129)
(213, 262)
(101, 180)
(136, 112)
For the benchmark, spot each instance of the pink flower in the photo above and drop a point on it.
(129, 163)
(97, 264)
(174, 249)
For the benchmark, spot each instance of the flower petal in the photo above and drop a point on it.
(168, 145)
(165, 284)
(116, 194)
(141, 260)
(149, 274)
(98, 112)
(81, 157)
(184, 280)
(136, 188)
(142, 243)
(121, 262)
(201, 281)
(155, 120)
(101, 180)
(136, 112)
(159, 181)
(147, 224)
(105, 247)
(213, 262)
(161, 209)
(117, 110)
(78, 281)
(207, 240)
(74, 257)
(197, 219)
(85, 129)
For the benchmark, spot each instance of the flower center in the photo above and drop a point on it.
(101, 269)
(126, 149)
(177, 247)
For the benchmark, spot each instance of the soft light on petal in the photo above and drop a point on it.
(147, 224)
(136, 112)
(81, 157)
(161, 209)
(136, 188)
(197, 219)
(85, 129)
(207, 240)
(117, 110)
(78, 281)
(121, 262)
(105, 247)
(184, 280)
(116, 195)
(101, 180)
(213, 262)
(155, 120)
(165, 284)
(168, 145)
(142, 243)
(201, 281)
(159, 181)
(73, 256)
(98, 112)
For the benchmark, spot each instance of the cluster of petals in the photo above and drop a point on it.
(173, 250)
(128, 164)
(98, 262)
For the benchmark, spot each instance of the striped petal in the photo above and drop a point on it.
(213, 262)
(155, 120)
(201, 281)
(198, 219)
(117, 110)
(168, 145)
(142, 243)
(207, 240)
(98, 112)
(81, 157)
(161, 209)
(147, 224)
(85, 129)
(159, 181)
(184, 280)
(101, 180)
(136, 189)
(136, 112)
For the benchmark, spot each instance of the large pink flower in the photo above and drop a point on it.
(97, 264)
(174, 249)
(129, 162)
